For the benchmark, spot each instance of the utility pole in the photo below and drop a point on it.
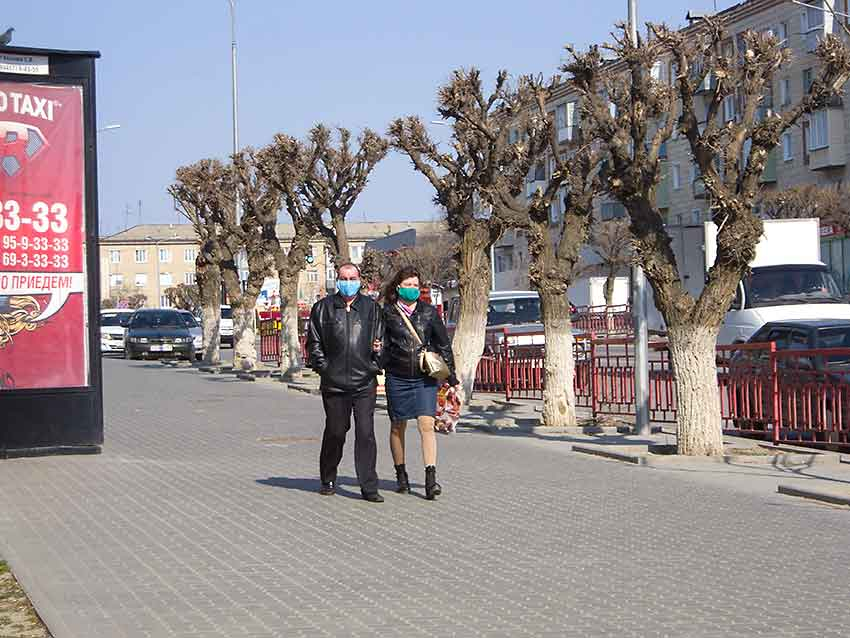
(639, 307)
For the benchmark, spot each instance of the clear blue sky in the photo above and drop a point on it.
(165, 75)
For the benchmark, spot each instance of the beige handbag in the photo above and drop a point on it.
(431, 363)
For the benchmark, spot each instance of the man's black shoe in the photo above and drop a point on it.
(328, 489)
(373, 497)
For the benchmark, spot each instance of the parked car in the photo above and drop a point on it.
(813, 386)
(514, 311)
(803, 334)
(195, 330)
(225, 328)
(158, 332)
(113, 323)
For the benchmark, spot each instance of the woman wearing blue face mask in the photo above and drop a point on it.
(411, 394)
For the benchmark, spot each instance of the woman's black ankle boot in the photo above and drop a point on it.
(432, 488)
(401, 478)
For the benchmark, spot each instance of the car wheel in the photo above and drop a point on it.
(128, 353)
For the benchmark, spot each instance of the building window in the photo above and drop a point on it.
(164, 302)
(116, 281)
(115, 256)
(141, 256)
(141, 281)
(513, 136)
(164, 255)
(787, 153)
(818, 130)
(785, 92)
(696, 216)
(808, 79)
(782, 34)
(165, 279)
(356, 253)
(612, 210)
(313, 276)
(189, 279)
(189, 255)
(504, 261)
(730, 108)
(676, 173)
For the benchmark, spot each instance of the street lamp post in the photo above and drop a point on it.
(639, 307)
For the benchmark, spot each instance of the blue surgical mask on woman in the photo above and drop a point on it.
(348, 288)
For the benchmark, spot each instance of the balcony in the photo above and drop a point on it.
(698, 189)
(834, 154)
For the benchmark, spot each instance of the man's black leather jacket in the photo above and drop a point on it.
(339, 342)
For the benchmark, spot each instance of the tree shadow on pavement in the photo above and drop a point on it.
(313, 485)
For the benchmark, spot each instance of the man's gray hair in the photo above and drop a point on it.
(348, 264)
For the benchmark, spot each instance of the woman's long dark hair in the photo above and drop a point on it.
(390, 295)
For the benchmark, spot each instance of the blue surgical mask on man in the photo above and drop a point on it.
(347, 287)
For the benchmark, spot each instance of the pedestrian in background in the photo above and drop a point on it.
(344, 343)
(411, 392)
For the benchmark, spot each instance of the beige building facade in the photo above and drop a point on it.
(816, 151)
(149, 258)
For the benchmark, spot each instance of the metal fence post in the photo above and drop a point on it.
(506, 358)
(593, 375)
(777, 404)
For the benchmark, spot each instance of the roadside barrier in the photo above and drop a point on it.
(787, 396)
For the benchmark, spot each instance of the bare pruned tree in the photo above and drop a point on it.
(479, 148)
(255, 232)
(202, 191)
(335, 175)
(730, 154)
(829, 203)
(555, 248)
(611, 242)
(285, 163)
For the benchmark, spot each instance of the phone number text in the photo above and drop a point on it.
(38, 260)
(56, 244)
(41, 217)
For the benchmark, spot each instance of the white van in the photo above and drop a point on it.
(225, 326)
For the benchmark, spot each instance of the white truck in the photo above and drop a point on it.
(787, 279)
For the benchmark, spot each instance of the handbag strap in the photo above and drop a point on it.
(409, 326)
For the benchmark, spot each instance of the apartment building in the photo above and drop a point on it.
(814, 152)
(149, 258)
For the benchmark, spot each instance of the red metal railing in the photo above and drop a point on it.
(269, 330)
(788, 396)
(603, 319)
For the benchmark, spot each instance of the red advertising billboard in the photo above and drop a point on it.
(43, 332)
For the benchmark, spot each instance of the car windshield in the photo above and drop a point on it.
(116, 319)
(189, 319)
(157, 319)
(835, 338)
(791, 285)
(227, 313)
(516, 310)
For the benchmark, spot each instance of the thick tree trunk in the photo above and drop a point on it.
(559, 402)
(209, 286)
(692, 352)
(473, 290)
(609, 288)
(290, 346)
(342, 247)
(244, 338)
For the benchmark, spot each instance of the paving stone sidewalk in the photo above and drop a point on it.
(201, 519)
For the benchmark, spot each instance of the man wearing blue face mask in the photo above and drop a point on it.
(344, 345)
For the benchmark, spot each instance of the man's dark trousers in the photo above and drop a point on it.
(338, 409)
